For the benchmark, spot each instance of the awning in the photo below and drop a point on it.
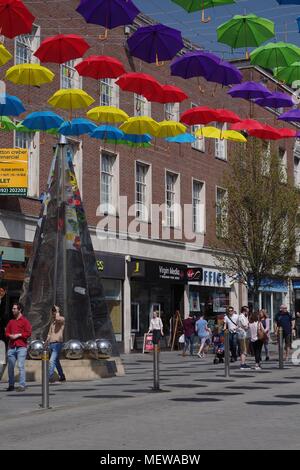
(296, 284)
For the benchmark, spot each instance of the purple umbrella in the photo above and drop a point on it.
(276, 100)
(290, 116)
(108, 13)
(224, 73)
(194, 64)
(249, 91)
(155, 43)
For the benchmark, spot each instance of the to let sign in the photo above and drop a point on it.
(13, 172)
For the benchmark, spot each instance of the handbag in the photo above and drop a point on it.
(261, 334)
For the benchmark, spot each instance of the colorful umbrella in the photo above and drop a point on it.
(15, 18)
(108, 13)
(155, 43)
(6, 124)
(199, 115)
(215, 133)
(100, 66)
(169, 94)
(21, 128)
(245, 31)
(290, 116)
(276, 100)
(288, 74)
(107, 132)
(249, 91)
(139, 83)
(29, 74)
(233, 136)
(137, 138)
(246, 124)
(42, 120)
(71, 98)
(185, 138)
(107, 114)
(194, 64)
(197, 5)
(224, 73)
(225, 115)
(140, 125)
(62, 48)
(275, 54)
(169, 129)
(286, 133)
(5, 56)
(10, 105)
(265, 133)
(77, 127)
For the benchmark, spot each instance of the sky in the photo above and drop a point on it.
(204, 35)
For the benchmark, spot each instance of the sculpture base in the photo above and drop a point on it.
(74, 370)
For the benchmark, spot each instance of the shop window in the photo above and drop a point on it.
(135, 317)
(142, 107)
(113, 298)
(199, 144)
(30, 141)
(69, 77)
(172, 199)
(109, 92)
(142, 191)
(26, 45)
(221, 144)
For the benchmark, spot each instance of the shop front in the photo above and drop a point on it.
(157, 287)
(296, 295)
(112, 272)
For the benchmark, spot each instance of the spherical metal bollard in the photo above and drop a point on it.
(35, 349)
(73, 349)
(104, 348)
(91, 348)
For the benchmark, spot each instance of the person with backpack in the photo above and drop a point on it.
(285, 320)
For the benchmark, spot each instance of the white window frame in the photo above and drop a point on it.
(199, 143)
(282, 155)
(172, 111)
(146, 215)
(31, 141)
(172, 221)
(74, 80)
(110, 207)
(297, 171)
(200, 211)
(142, 107)
(30, 43)
(109, 84)
(225, 193)
(221, 144)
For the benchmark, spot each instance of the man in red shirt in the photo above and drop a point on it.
(18, 331)
(189, 334)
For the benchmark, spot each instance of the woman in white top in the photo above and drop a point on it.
(256, 329)
(156, 327)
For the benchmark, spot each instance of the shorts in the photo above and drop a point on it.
(287, 341)
(243, 345)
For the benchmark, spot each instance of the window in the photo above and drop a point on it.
(30, 141)
(283, 164)
(198, 207)
(172, 198)
(135, 317)
(26, 45)
(109, 92)
(172, 111)
(69, 77)
(297, 171)
(109, 183)
(221, 213)
(199, 144)
(142, 186)
(142, 107)
(221, 144)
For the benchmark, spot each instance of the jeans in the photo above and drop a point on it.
(189, 340)
(55, 349)
(233, 344)
(13, 355)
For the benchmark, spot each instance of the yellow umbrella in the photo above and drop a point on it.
(234, 136)
(5, 56)
(29, 74)
(71, 98)
(169, 129)
(210, 132)
(140, 125)
(107, 114)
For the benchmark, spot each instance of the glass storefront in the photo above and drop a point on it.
(211, 301)
(113, 297)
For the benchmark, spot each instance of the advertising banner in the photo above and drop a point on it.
(13, 172)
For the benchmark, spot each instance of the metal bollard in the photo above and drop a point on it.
(280, 348)
(45, 379)
(227, 353)
(156, 368)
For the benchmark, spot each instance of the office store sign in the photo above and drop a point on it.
(215, 278)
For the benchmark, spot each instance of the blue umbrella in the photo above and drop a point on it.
(182, 139)
(107, 133)
(288, 2)
(43, 120)
(10, 105)
(77, 127)
(137, 138)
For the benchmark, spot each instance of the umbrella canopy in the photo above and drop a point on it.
(234, 136)
(139, 83)
(245, 31)
(194, 64)
(107, 114)
(266, 133)
(15, 18)
(290, 116)
(286, 133)
(5, 56)
(6, 124)
(249, 91)
(21, 128)
(137, 138)
(29, 74)
(225, 115)
(155, 43)
(169, 94)
(61, 48)
(107, 132)
(42, 120)
(108, 13)
(275, 54)
(224, 73)
(288, 2)
(77, 127)
(140, 125)
(100, 66)
(246, 124)
(214, 133)
(185, 138)
(169, 129)
(276, 100)
(71, 98)
(10, 105)
(196, 5)
(288, 74)
(199, 115)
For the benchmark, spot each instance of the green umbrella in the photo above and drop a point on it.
(288, 74)
(21, 128)
(275, 54)
(6, 124)
(197, 5)
(245, 31)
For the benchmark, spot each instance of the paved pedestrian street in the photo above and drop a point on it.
(197, 408)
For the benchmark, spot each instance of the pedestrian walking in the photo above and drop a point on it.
(55, 341)
(202, 331)
(18, 330)
(189, 334)
(297, 324)
(265, 320)
(257, 332)
(285, 320)
(230, 323)
(242, 334)
(156, 327)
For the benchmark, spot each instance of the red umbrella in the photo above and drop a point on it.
(286, 133)
(225, 115)
(246, 125)
(15, 18)
(62, 48)
(168, 94)
(266, 132)
(100, 66)
(199, 115)
(139, 83)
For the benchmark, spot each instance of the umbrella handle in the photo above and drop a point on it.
(103, 37)
(203, 19)
(2, 126)
(158, 64)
